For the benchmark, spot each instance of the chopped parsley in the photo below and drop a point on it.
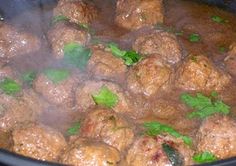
(156, 128)
(76, 55)
(59, 18)
(9, 86)
(204, 106)
(105, 97)
(29, 77)
(57, 75)
(219, 19)
(194, 37)
(204, 157)
(74, 129)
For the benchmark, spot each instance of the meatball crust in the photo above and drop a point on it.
(148, 151)
(83, 152)
(163, 43)
(109, 127)
(15, 42)
(77, 11)
(38, 141)
(149, 76)
(230, 60)
(134, 14)
(217, 135)
(199, 73)
(64, 33)
(85, 91)
(104, 65)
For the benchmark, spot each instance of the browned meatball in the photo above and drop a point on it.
(149, 76)
(104, 65)
(134, 14)
(109, 127)
(85, 91)
(64, 33)
(83, 152)
(199, 73)
(14, 42)
(230, 60)
(162, 43)
(77, 11)
(217, 135)
(58, 93)
(38, 141)
(148, 151)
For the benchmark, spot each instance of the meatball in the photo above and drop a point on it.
(134, 14)
(217, 135)
(38, 141)
(103, 64)
(64, 33)
(14, 42)
(83, 152)
(85, 91)
(162, 43)
(149, 76)
(109, 127)
(58, 93)
(77, 11)
(230, 60)
(199, 73)
(149, 151)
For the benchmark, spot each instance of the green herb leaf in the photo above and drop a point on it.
(59, 18)
(9, 86)
(76, 55)
(57, 75)
(204, 105)
(205, 157)
(156, 128)
(29, 77)
(74, 129)
(173, 155)
(194, 37)
(105, 97)
(219, 19)
(116, 50)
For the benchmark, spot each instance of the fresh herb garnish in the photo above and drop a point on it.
(204, 157)
(74, 129)
(219, 19)
(59, 18)
(29, 77)
(156, 128)
(204, 106)
(194, 37)
(76, 55)
(105, 97)
(175, 158)
(9, 86)
(129, 57)
(57, 75)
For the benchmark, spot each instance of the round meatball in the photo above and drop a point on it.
(162, 43)
(85, 91)
(230, 60)
(199, 73)
(109, 127)
(83, 152)
(134, 14)
(104, 65)
(217, 135)
(64, 33)
(77, 11)
(38, 141)
(14, 42)
(149, 151)
(149, 76)
(58, 93)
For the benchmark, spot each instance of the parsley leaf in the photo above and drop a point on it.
(105, 97)
(74, 129)
(156, 128)
(204, 106)
(218, 19)
(59, 18)
(204, 157)
(76, 55)
(29, 77)
(57, 75)
(9, 86)
(129, 57)
(194, 37)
